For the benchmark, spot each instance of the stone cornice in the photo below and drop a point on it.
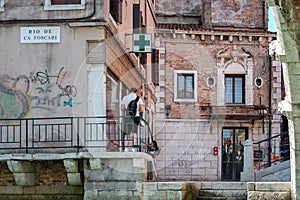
(221, 35)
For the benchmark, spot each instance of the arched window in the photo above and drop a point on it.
(234, 84)
(235, 76)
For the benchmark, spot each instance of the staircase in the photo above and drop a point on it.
(268, 190)
(278, 172)
(243, 190)
(222, 190)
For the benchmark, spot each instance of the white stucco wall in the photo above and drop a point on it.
(45, 79)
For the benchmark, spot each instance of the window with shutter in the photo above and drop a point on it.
(120, 11)
(136, 18)
(155, 67)
(115, 10)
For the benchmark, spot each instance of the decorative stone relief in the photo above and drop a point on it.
(235, 60)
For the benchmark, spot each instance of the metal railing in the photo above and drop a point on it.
(271, 150)
(61, 134)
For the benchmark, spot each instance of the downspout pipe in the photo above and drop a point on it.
(264, 15)
(269, 60)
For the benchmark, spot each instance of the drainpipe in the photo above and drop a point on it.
(270, 109)
(264, 15)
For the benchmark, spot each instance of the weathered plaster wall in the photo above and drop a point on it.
(37, 9)
(43, 80)
(181, 7)
(225, 13)
(238, 13)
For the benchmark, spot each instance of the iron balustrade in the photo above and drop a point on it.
(275, 148)
(69, 134)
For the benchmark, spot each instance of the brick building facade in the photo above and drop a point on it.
(218, 87)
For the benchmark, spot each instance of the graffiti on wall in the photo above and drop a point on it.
(44, 78)
(14, 103)
(39, 90)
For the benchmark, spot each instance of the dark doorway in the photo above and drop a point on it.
(233, 152)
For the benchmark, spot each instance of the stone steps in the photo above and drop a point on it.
(221, 198)
(243, 190)
(223, 190)
(268, 190)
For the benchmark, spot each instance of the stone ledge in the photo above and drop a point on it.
(269, 186)
(42, 197)
(112, 185)
(80, 155)
(268, 195)
(58, 189)
(117, 166)
(150, 186)
(223, 193)
(224, 186)
(173, 186)
(44, 156)
(11, 190)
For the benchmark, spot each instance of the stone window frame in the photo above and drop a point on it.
(234, 85)
(188, 72)
(235, 60)
(2, 9)
(48, 6)
(246, 70)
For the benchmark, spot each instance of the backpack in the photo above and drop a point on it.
(132, 107)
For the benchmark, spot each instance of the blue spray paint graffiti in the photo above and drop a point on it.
(40, 90)
(13, 103)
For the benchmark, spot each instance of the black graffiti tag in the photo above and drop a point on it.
(45, 78)
(69, 90)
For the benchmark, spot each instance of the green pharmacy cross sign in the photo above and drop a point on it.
(142, 43)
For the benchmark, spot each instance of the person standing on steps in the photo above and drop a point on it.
(131, 105)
